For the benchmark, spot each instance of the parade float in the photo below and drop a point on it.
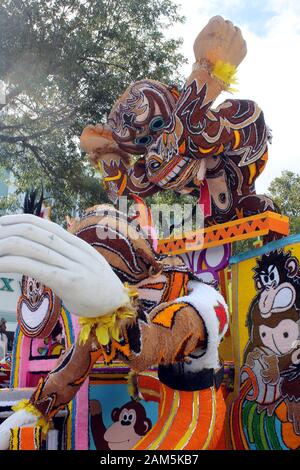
(161, 344)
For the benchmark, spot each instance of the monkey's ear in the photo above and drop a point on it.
(258, 284)
(115, 414)
(147, 425)
(292, 266)
(95, 407)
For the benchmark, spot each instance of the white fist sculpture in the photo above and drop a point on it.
(75, 271)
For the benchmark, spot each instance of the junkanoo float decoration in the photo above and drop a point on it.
(138, 301)
(186, 145)
(266, 412)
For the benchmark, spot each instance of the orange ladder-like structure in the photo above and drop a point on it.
(240, 229)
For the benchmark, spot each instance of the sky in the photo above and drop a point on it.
(270, 73)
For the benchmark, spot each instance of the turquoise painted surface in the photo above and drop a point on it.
(283, 242)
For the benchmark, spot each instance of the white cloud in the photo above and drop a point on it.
(269, 75)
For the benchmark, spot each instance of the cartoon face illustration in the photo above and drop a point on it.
(38, 309)
(123, 433)
(130, 424)
(282, 338)
(278, 283)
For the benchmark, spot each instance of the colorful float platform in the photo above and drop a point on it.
(258, 403)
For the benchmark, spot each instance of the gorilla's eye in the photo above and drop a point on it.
(30, 288)
(285, 334)
(130, 417)
(37, 285)
(265, 279)
(157, 124)
(263, 335)
(145, 140)
(274, 275)
(154, 165)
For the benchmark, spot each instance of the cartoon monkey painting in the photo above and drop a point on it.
(130, 424)
(268, 353)
(274, 312)
(38, 309)
(272, 355)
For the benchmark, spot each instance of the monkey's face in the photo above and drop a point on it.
(130, 423)
(38, 309)
(279, 333)
(140, 115)
(281, 339)
(275, 296)
(121, 435)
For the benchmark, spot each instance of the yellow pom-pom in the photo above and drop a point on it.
(107, 327)
(225, 72)
(30, 408)
(27, 406)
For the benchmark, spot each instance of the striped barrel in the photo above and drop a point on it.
(187, 420)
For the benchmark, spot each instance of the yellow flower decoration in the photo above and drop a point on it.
(107, 327)
(225, 72)
(30, 408)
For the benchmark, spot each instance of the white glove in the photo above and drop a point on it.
(18, 419)
(73, 269)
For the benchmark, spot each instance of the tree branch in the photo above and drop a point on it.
(36, 135)
(103, 62)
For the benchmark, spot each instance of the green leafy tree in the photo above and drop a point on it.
(245, 245)
(63, 63)
(285, 191)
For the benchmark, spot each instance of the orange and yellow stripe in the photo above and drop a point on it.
(187, 420)
(26, 438)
